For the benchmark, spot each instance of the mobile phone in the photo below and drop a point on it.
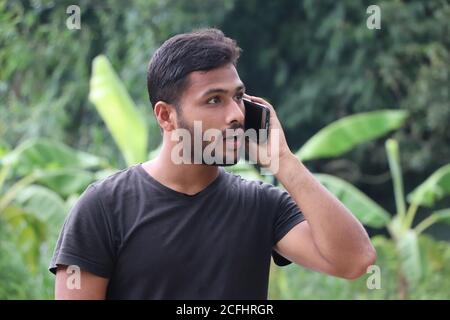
(257, 117)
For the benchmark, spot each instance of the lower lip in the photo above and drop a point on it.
(233, 143)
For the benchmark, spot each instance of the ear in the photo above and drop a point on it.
(166, 115)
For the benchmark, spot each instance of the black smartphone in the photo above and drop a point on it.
(257, 117)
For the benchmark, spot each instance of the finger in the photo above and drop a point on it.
(261, 101)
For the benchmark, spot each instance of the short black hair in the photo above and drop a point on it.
(201, 50)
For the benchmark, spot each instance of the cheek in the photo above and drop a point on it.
(211, 119)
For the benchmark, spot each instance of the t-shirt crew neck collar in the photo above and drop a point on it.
(207, 190)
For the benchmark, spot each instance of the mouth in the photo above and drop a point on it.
(233, 141)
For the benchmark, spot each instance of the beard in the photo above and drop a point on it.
(226, 157)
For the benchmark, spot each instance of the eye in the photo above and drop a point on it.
(239, 96)
(213, 100)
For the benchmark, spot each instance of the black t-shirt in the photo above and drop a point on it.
(153, 242)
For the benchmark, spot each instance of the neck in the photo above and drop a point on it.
(185, 178)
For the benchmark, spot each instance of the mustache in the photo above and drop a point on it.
(235, 127)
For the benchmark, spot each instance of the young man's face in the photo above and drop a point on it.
(214, 98)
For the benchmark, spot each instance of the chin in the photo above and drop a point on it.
(224, 163)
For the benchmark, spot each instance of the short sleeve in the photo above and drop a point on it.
(287, 216)
(86, 238)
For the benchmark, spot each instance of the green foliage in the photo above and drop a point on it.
(293, 282)
(433, 189)
(365, 209)
(397, 178)
(442, 216)
(344, 134)
(39, 153)
(45, 67)
(118, 111)
(18, 280)
(53, 164)
(247, 171)
(29, 228)
(35, 178)
(14, 275)
(411, 265)
(409, 255)
(319, 62)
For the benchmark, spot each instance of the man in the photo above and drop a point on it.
(190, 230)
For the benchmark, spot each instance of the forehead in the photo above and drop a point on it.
(225, 77)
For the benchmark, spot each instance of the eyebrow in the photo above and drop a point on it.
(221, 90)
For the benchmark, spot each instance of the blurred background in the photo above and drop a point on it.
(366, 109)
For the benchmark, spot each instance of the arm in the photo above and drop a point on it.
(83, 258)
(92, 287)
(331, 240)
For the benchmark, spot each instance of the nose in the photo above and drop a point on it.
(235, 112)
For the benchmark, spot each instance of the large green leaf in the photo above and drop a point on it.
(29, 233)
(44, 154)
(67, 181)
(410, 258)
(42, 202)
(35, 216)
(53, 164)
(436, 217)
(364, 208)
(115, 106)
(348, 132)
(436, 187)
(442, 215)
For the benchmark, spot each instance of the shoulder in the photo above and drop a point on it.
(105, 193)
(254, 184)
(115, 183)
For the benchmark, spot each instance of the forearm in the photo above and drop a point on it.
(338, 235)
